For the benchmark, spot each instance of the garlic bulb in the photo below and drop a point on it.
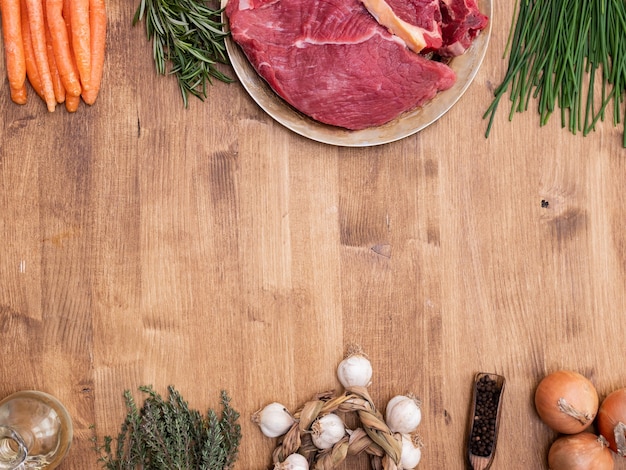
(403, 414)
(411, 452)
(274, 420)
(293, 462)
(355, 370)
(327, 431)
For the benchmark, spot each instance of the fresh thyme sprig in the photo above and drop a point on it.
(168, 435)
(189, 35)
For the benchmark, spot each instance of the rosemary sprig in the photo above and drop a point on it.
(189, 35)
(168, 435)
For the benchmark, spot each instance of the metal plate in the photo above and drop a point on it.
(465, 66)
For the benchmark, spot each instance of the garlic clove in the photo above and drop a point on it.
(327, 430)
(355, 370)
(274, 420)
(403, 414)
(293, 462)
(411, 452)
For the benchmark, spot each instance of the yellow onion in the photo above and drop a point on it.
(582, 451)
(566, 401)
(612, 420)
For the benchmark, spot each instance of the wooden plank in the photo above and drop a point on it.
(211, 248)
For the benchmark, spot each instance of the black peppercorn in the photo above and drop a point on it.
(483, 431)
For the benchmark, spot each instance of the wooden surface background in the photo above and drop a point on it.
(210, 248)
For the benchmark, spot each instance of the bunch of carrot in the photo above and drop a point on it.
(59, 45)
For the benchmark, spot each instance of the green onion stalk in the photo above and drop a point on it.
(568, 56)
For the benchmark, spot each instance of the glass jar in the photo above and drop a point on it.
(35, 431)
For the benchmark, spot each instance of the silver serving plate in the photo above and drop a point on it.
(465, 66)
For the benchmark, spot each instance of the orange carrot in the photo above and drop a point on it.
(81, 40)
(19, 95)
(98, 27)
(14, 49)
(38, 35)
(67, 13)
(57, 84)
(66, 17)
(61, 46)
(29, 54)
(71, 103)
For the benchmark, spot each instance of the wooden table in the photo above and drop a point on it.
(211, 248)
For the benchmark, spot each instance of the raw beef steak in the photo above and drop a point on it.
(461, 22)
(331, 60)
(417, 22)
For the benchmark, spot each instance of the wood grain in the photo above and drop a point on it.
(210, 248)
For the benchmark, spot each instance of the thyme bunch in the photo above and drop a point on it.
(165, 434)
(189, 35)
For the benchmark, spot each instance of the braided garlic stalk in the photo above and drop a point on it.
(371, 435)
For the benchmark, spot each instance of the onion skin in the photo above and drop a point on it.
(569, 389)
(612, 412)
(582, 451)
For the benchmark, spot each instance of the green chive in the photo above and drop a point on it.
(568, 55)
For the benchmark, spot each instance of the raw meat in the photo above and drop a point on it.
(417, 22)
(461, 22)
(331, 60)
(446, 27)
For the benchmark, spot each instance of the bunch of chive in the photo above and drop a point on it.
(569, 54)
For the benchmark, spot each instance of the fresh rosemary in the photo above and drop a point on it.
(570, 55)
(189, 35)
(168, 435)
